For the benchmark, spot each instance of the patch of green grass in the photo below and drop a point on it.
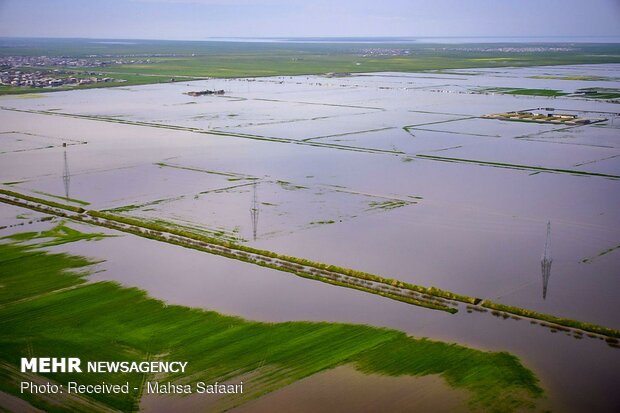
(469, 369)
(537, 92)
(523, 91)
(41, 201)
(577, 77)
(388, 204)
(132, 207)
(60, 234)
(125, 208)
(64, 198)
(15, 270)
(599, 93)
(103, 321)
(289, 186)
(591, 93)
(600, 254)
(167, 226)
(593, 328)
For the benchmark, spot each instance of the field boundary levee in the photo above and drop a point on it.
(393, 289)
(428, 297)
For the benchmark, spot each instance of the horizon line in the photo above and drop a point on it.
(321, 39)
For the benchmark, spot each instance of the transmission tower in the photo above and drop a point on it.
(254, 212)
(66, 177)
(546, 261)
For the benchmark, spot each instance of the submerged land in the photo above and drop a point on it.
(106, 321)
(338, 209)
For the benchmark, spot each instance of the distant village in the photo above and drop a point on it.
(41, 71)
(381, 51)
(64, 61)
(50, 78)
(508, 49)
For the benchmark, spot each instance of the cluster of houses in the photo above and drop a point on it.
(51, 71)
(65, 61)
(45, 79)
(545, 116)
(380, 51)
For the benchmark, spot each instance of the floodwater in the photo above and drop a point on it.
(344, 389)
(394, 174)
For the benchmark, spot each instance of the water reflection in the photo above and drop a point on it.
(546, 261)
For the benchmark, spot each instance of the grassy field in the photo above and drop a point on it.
(180, 60)
(600, 93)
(49, 310)
(44, 201)
(577, 77)
(525, 92)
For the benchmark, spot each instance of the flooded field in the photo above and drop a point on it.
(390, 173)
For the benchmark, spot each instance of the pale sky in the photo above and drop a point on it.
(201, 19)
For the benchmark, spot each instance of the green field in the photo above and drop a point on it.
(600, 93)
(184, 60)
(525, 92)
(47, 309)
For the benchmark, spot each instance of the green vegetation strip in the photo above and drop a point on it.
(526, 92)
(598, 93)
(299, 266)
(60, 234)
(516, 166)
(600, 254)
(64, 198)
(294, 260)
(388, 287)
(566, 322)
(41, 201)
(577, 77)
(64, 316)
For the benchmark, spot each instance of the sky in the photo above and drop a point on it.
(203, 19)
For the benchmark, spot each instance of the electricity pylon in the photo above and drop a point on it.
(254, 212)
(546, 261)
(66, 177)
